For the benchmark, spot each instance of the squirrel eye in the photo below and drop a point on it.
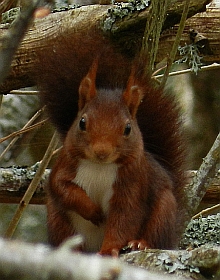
(82, 124)
(127, 130)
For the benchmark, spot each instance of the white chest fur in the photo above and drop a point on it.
(97, 180)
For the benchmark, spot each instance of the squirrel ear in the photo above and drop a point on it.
(132, 96)
(87, 88)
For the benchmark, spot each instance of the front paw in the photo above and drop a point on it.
(97, 217)
(114, 252)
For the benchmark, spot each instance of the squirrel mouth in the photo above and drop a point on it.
(103, 159)
(100, 154)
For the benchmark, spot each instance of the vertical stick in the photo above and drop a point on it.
(204, 177)
(32, 187)
(153, 30)
(172, 54)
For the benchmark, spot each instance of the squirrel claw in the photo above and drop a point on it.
(138, 245)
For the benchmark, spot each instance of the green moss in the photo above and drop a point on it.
(173, 265)
(120, 10)
(10, 15)
(202, 231)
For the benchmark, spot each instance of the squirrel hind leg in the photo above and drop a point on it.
(58, 226)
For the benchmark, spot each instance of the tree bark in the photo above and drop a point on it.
(15, 181)
(25, 261)
(126, 32)
(39, 262)
(195, 264)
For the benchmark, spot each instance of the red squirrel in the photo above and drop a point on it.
(118, 179)
(105, 184)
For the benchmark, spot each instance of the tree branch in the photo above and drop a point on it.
(33, 185)
(39, 262)
(24, 261)
(15, 180)
(190, 264)
(126, 32)
(11, 39)
(204, 177)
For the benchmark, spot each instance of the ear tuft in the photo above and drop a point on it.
(132, 96)
(87, 88)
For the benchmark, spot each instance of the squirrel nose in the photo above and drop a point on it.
(102, 155)
(102, 151)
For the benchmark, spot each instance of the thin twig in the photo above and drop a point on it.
(38, 113)
(19, 132)
(24, 92)
(186, 71)
(154, 75)
(54, 152)
(57, 151)
(203, 177)
(32, 187)
(173, 52)
(152, 31)
(12, 38)
(206, 211)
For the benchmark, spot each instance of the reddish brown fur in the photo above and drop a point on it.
(146, 205)
(66, 62)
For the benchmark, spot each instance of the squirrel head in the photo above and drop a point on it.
(106, 130)
(131, 96)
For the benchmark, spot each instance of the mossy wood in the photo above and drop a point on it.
(14, 182)
(126, 32)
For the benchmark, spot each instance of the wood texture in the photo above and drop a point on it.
(15, 181)
(126, 32)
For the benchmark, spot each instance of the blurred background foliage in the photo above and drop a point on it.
(15, 112)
